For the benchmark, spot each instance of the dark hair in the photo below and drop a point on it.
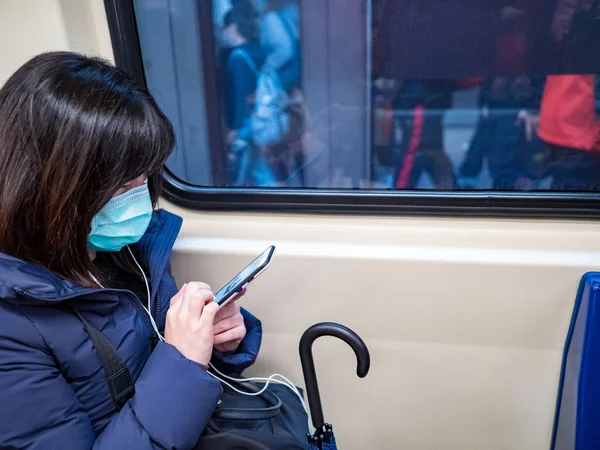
(73, 130)
(245, 21)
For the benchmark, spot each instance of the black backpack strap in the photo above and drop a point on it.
(119, 382)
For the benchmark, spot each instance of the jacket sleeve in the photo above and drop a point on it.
(246, 353)
(276, 38)
(173, 401)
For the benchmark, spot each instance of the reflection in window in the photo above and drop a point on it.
(379, 94)
(489, 104)
(259, 43)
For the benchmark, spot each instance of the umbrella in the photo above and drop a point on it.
(323, 438)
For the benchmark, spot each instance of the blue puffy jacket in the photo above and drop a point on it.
(52, 384)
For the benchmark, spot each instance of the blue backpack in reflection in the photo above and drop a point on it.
(270, 120)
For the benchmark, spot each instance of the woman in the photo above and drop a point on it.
(243, 65)
(81, 153)
(279, 34)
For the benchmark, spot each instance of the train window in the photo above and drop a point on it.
(440, 106)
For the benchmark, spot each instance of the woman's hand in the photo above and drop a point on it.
(190, 322)
(229, 330)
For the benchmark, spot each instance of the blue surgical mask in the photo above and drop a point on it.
(122, 221)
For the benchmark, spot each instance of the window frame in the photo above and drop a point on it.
(544, 205)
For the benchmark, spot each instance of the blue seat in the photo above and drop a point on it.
(577, 418)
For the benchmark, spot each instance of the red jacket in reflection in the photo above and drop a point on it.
(568, 113)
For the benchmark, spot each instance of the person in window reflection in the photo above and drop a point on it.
(506, 132)
(569, 120)
(280, 34)
(81, 157)
(245, 61)
(506, 135)
(278, 22)
(570, 126)
(424, 133)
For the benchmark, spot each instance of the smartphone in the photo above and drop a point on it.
(241, 280)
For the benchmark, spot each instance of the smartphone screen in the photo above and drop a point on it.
(238, 282)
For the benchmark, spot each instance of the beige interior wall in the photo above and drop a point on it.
(29, 27)
(465, 319)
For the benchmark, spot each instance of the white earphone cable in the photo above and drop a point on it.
(220, 376)
(148, 293)
(271, 379)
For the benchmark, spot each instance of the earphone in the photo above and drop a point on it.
(275, 378)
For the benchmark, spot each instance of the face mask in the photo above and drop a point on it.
(122, 221)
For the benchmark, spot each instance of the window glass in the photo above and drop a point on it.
(450, 95)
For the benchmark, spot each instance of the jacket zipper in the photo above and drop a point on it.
(142, 311)
(156, 313)
(157, 308)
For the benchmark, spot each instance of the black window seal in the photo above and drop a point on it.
(544, 205)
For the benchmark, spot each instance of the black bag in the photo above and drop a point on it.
(273, 420)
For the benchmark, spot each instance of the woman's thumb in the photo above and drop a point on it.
(207, 319)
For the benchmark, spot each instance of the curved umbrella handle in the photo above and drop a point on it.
(308, 364)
